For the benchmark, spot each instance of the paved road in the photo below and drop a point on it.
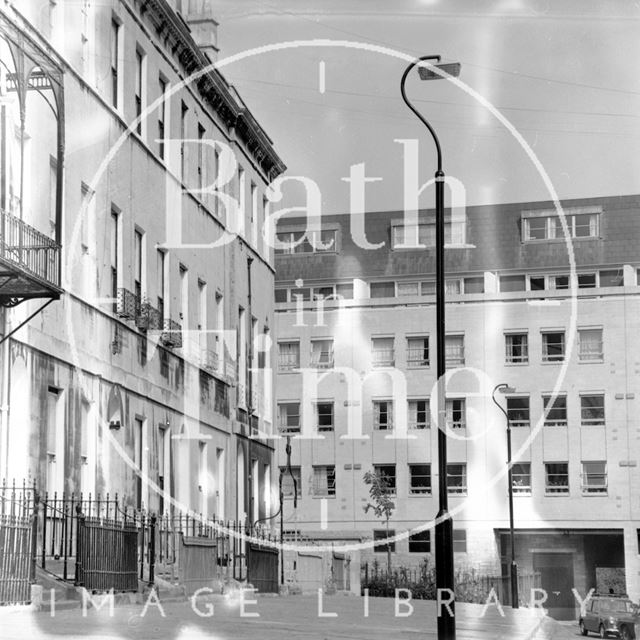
(294, 617)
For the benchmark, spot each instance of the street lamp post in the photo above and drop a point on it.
(444, 524)
(505, 388)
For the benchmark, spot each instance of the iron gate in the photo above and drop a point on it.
(18, 525)
(107, 554)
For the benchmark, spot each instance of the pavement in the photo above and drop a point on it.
(272, 618)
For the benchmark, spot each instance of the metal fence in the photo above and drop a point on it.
(18, 506)
(101, 544)
(106, 556)
(470, 585)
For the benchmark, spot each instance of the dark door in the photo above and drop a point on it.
(556, 578)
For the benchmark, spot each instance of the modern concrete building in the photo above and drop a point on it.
(355, 320)
(137, 378)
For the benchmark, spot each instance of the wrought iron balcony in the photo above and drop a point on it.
(128, 304)
(172, 334)
(209, 360)
(148, 317)
(29, 262)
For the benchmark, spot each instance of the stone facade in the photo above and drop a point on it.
(504, 278)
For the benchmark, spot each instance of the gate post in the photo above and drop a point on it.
(34, 534)
(79, 534)
(152, 549)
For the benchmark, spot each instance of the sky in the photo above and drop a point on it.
(565, 75)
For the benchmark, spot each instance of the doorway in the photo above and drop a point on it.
(556, 578)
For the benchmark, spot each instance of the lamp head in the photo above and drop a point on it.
(451, 68)
(505, 388)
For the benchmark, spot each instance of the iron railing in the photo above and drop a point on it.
(18, 524)
(28, 249)
(172, 334)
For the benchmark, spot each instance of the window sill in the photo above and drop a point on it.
(556, 494)
(319, 497)
(560, 240)
(516, 364)
(421, 494)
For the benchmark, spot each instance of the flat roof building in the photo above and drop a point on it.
(549, 305)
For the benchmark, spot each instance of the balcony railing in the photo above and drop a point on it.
(127, 304)
(172, 334)
(148, 317)
(29, 250)
(209, 360)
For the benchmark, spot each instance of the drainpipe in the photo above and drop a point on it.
(4, 398)
(250, 399)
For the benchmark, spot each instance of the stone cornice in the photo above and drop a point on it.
(212, 86)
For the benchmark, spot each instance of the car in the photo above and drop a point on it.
(609, 615)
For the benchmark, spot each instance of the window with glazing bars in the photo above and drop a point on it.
(521, 477)
(592, 409)
(553, 346)
(594, 477)
(288, 355)
(455, 409)
(556, 413)
(418, 414)
(556, 477)
(454, 350)
(295, 242)
(324, 481)
(322, 354)
(517, 348)
(388, 473)
(382, 352)
(420, 479)
(382, 535)
(289, 417)
(518, 411)
(590, 345)
(418, 352)
(457, 478)
(420, 542)
(287, 481)
(382, 414)
(382, 289)
(460, 540)
(324, 413)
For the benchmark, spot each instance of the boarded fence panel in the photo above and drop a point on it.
(309, 572)
(197, 563)
(263, 568)
(15, 559)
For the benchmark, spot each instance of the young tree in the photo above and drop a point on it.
(380, 503)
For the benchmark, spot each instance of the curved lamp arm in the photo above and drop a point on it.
(295, 485)
(417, 113)
(502, 385)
